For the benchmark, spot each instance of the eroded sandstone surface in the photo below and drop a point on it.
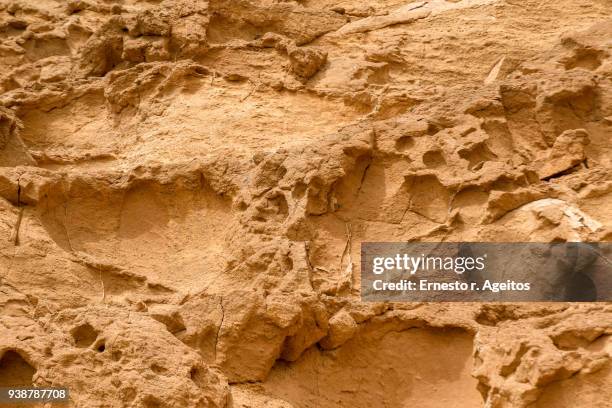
(184, 186)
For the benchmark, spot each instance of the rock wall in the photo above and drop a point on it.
(184, 186)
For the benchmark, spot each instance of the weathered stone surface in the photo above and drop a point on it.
(185, 184)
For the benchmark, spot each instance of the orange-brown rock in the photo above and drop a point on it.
(185, 185)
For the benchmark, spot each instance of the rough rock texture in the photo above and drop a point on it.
(184, 186)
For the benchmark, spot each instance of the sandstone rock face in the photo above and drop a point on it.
(185, 184)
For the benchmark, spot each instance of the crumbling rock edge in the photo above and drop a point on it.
(184, 187)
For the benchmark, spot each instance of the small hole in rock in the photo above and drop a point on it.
(84, 335)
(404, 143)
(151, 402)
(433, 159)
(14, 370)
(197, 376)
